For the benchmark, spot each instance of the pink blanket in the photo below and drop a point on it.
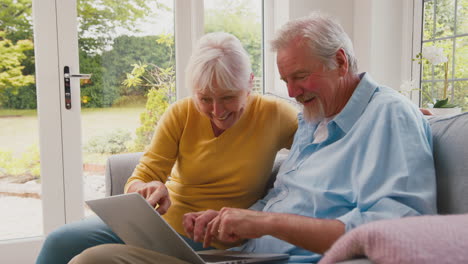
(421, 239)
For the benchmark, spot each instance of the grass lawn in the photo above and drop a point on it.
(19, 128)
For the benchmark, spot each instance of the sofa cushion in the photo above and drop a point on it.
(415, 240)
(450, 139)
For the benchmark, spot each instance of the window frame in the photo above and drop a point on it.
(419, 42)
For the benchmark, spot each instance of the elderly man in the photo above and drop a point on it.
(362, 153)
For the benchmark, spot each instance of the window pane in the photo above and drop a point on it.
(128, 47)
(427, 68)
(428, 23)
(431, 91)
(445, 18)
(461, 58)
(461, 95)
(437, 72)
(20, 189)
(443, 13)
(243, 19)
(462, 17)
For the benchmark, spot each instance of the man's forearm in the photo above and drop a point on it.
(313, 234)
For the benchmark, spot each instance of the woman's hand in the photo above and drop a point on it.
(195, 223)
(155, 192)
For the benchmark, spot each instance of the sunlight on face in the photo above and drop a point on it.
(309, 81)
(223, 108)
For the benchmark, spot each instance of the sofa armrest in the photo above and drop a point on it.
(451, 162)
(119, 168)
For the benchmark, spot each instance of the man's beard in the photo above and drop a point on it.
(314, 112)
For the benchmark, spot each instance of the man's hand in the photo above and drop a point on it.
(195, 223)
(232, 225)
(155, 192)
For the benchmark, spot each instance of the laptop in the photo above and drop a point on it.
(136, 222)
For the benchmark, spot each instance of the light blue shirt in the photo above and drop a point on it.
(376, 163)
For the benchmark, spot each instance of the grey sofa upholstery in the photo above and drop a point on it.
(450, 136)
(119, 168)
(450, 140)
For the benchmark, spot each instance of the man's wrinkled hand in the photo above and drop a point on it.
(233, 225)
(195, 223)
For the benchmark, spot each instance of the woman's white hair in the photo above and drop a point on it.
(220, 59)
(323, 34)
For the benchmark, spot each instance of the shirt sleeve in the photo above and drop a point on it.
(158, 160)
(396, 176)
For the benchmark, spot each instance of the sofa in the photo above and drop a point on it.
(450, 146)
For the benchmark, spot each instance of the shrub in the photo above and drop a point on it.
(23, 97)
(156, 105)
(112, 143)
(161, 94)
(27, 164)
(129, 101)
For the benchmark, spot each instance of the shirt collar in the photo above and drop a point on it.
(357, 103)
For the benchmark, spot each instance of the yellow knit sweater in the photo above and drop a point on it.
(202, 171)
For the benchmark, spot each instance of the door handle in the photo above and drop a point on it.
(66, 79)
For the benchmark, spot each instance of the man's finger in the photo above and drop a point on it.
(211, 232)
(188, 222)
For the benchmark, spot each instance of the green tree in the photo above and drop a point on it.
(15, 19)
(161, 92)
(160, 95)
(100, 19)
(102, 53)
(236, 17)
(11, 75)
(109, 68)
(16, 54)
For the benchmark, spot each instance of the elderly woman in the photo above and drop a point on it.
(212, 150)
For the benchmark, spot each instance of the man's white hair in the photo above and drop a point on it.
(324, 36)
(219, 57)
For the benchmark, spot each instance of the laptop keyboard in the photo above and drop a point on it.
(220, 258)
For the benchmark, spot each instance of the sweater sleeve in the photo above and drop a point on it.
(158, 160)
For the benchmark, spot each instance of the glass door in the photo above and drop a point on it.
(31, 167)
(127, 47)
(20, 176)
(53, 153)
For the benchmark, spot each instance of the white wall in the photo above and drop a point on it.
(342, 9)
(285, 10)
(380, 30)
(382, 37)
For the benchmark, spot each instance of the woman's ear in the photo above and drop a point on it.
(251, 81)
(342, 61)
